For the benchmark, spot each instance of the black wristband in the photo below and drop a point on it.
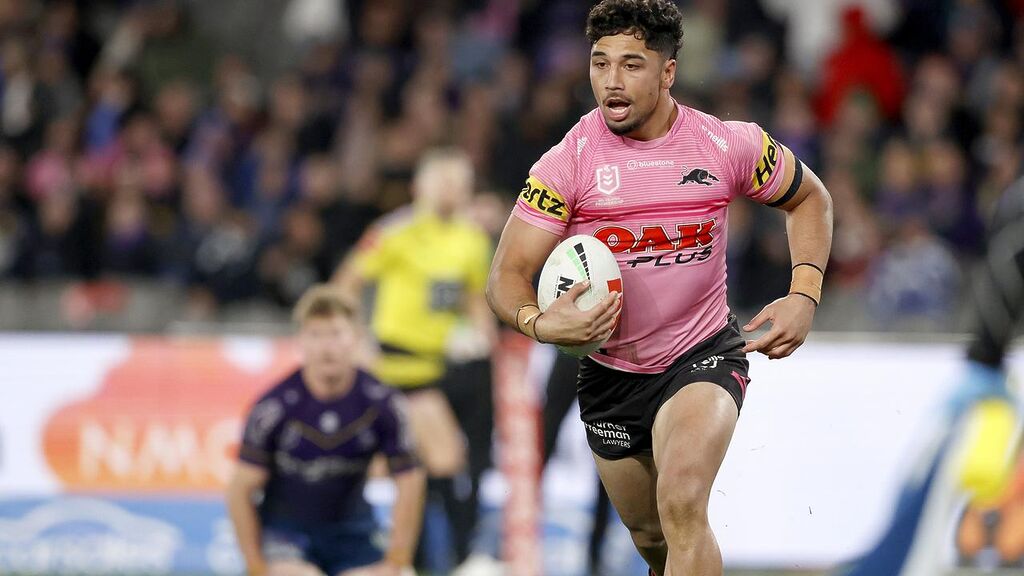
(536, 324)
(815, 266)
(808, 296)
(520, 309)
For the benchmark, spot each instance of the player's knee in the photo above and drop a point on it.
(648, 538)
(445, 466)
(682, 500)
(443, 458)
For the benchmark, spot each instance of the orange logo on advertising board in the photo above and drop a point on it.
(168, 418)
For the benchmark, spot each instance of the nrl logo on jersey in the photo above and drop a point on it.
(607, 178)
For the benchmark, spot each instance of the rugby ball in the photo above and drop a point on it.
(577, 259)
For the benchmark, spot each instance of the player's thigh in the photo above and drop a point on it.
(631, 484)
(292, 568)
(691, 435)
(439, 439)
(369, 571)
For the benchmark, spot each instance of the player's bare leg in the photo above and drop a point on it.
(438, 438)
(631, 484)
(691, 434)
(292, 568)
(373, 571)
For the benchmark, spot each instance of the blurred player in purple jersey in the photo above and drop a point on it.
(307, 446)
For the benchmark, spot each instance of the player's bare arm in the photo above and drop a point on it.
(406, 516)
(245, 482)
(510, 294)
(809, 226)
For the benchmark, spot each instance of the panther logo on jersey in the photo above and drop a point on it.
(697, 176)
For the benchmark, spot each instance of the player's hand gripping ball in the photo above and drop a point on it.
(578, 259)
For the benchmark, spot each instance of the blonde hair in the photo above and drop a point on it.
(451, 158)
(324, 301)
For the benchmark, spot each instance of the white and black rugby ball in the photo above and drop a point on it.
(577, 259)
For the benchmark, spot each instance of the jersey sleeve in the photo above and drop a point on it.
(262, 428)
(757, 162)
(370, 256)
(548, 197)
(396, 442)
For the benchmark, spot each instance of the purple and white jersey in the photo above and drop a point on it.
(318, 453)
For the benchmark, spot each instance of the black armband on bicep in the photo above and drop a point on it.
(798, 178)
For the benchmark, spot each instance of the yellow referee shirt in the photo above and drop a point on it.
(424, 269)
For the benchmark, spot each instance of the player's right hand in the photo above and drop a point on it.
(565, 324)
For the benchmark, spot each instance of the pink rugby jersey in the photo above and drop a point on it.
(660, 206)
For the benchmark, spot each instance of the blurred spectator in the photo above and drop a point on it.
(243, 152)
(21, 114)
(900, 192)
(857, 239)
(62, 30)
(62, 238)
(811, 26)
(52, 169)
(264, 181)
(342, 215)
(307, 21)
(61, 92)
(952, 212)
(216, 245)
(137, 147)
(794, 124)
(705, 35)
(171, 48)
(861, 62)
(293, 110)
(12, 216)
(288, 266)
(973, 31)
(128, 245)
(113, 92)
(915, 281)
(176, 106)
(224, 130)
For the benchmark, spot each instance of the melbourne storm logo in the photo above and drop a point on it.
(697, 176)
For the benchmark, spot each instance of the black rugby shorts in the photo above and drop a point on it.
(618, 408)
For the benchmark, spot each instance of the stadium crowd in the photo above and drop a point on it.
(241, 153)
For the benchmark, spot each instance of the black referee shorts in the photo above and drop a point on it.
(618, 408)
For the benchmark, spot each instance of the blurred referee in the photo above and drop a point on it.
(428, 265)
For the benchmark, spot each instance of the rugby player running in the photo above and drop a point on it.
(652, 179)
(307, 447)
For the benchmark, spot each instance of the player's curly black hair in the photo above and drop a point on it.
(657, 22)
